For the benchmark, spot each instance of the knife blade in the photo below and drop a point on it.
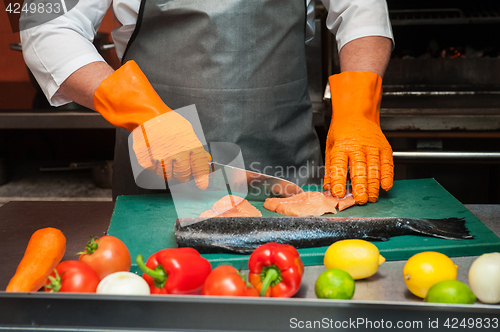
(257, 186)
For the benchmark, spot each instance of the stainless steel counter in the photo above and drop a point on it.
(50, 119)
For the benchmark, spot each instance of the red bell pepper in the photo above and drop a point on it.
(175, 271)
(276, 270)
(226, 280)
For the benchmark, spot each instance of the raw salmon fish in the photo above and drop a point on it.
(231, 206)
(308, 204)
(243, 235)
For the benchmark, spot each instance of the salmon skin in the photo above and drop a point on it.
(244, 234)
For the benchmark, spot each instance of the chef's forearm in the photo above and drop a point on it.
(82, 84)
(370, 54)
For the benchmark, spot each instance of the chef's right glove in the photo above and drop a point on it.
(164, 141)
(355, 138)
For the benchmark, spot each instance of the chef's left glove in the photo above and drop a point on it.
(164, 141)
(355, 138)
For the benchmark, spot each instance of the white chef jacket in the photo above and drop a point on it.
(56, 49)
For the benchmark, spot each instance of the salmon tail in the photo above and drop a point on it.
(447, 228)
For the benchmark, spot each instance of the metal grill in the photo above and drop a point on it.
(470, 13)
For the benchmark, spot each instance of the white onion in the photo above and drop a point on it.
(123, 283)
(484, 278)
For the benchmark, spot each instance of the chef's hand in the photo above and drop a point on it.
(164, 142)
(355, 138)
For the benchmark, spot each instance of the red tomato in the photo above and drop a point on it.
(251, 290)
(226, 280)
(72, 276)
(106, 255)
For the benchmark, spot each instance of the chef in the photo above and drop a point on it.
(242, 63)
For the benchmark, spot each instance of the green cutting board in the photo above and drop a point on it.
(145, 224)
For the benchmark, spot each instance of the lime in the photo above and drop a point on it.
(425, 269)
(359, 258)
(334, 284)
(450, 291)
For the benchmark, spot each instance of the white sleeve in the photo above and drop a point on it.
(352, 19)
(56, 49)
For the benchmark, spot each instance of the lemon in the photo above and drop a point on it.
(425, 269)
(450, 291)
(359, 258)
(484, 278)
(335, 284)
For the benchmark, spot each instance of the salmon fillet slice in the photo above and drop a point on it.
(344, 202)
(309, 203)
(231, 206)
(273, 203)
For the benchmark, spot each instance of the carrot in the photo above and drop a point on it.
(45, 250)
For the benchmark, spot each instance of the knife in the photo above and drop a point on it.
(257, 186)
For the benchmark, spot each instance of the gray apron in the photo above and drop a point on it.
(242, 63)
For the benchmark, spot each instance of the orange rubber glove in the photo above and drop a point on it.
(164, 142)
(355, 138)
